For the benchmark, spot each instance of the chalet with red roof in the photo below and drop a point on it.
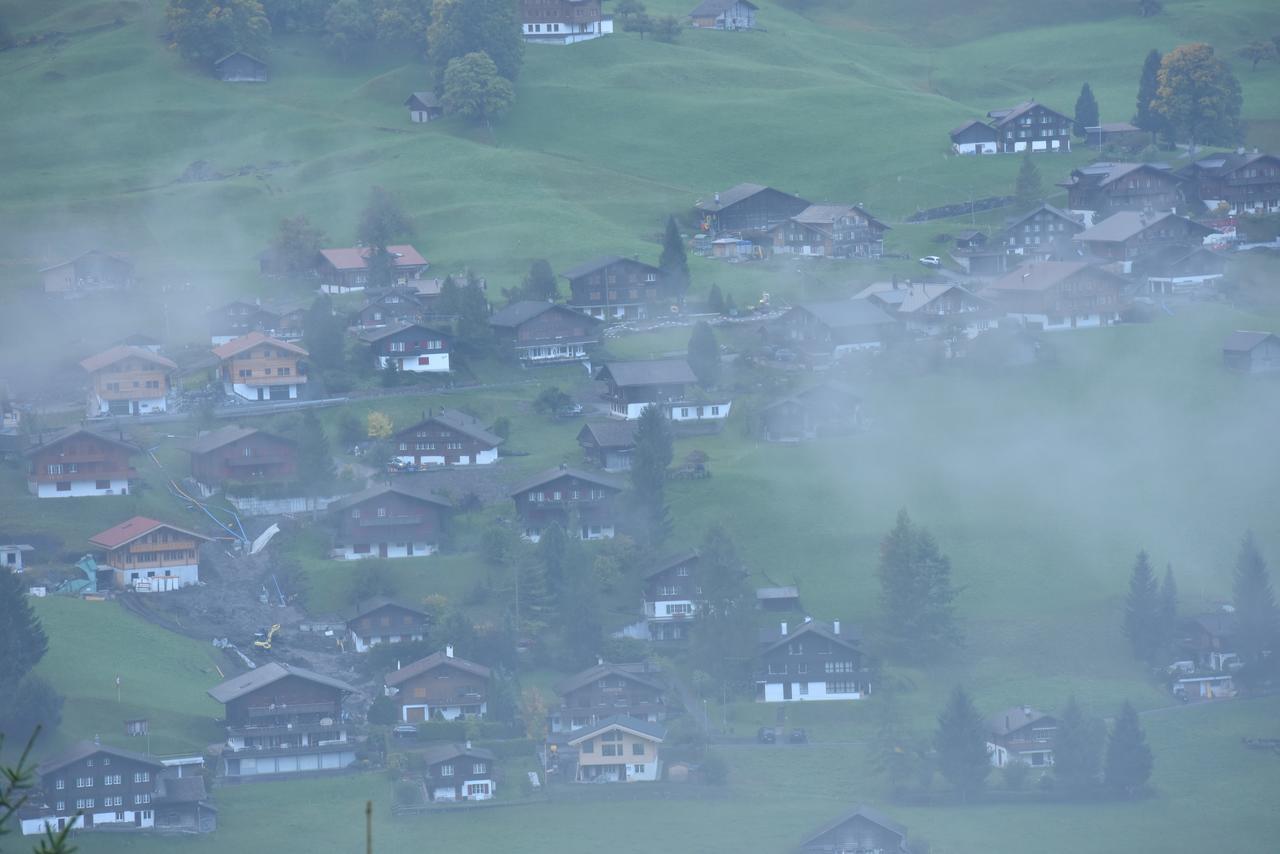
(439, 686)
(408, 347)
(557, 495)
(147, 556)
(258, 367)
(389, 522)
(449, 438)
(347, 269)
(76, 462)
(1054, 295)
(127, 381)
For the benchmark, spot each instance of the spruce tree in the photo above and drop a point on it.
(1142, 623)
(539, 283)
(1255, 603)
(673, 261)
(715, 300)
(382, 222)
(725, 618)
(1086, 110)
(649, 461)
(21, 636)
(704, 355)
(1129, 760)
(917, 596)
(1077, 749)
(1148, 84)
(961, 743)
(1168, 610)
(1027, 189)
(553, 547)
(322, 333)
(316, 472)
(581, 629)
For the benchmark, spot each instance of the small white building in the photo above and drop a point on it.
(11, 556)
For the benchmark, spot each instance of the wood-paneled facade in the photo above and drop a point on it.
(77, 462)
(127, 381)
(257, 367)
(439, 687)
(147, 556)
(613, 288)
(389, 522)
(558, 495)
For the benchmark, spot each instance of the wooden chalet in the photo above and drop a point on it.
(672, 596)
(147, 556)
(389, 522)
(447, 438)
(827, 409)
(1174, 271)
(409, 347)
(279, 319)
(386, 306)
(563, 21)
(1125, 235)
(1209, 640)
(832, 231)
(1043, 234)
(541, 333)
(836, 327)
(860, 831)
(599, 692)
(975, 137)
(1106, 188)
(258, 367)
(933, 309)
(88, 272)
(812, 661)
(1252, 352)
(383, 620)
(424, 107)
(347, 269)
(1030, 126)
(127, 381)
(634, 386)
(559, 495)
(240, 67)
(456, 772)
(724, 15)
(608, 444)
(618, 749)
(240, 455)
(91, 787)
(615, 288)
(284, 720)
(1055, 295)
(1021, 734)
(76, 462)
(746, 209)
(1240, 182)
(439, 687)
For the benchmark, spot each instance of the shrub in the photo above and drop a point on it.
(1015, 774)
(715, 770)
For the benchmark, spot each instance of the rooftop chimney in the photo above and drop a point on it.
(448, 651)
(717, 198)
(468, 744)
(835, 627)
(1026, 710)
(783, 626)
(1006, 722)
(808, 619)
(600, 661)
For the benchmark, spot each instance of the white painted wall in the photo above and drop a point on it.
(437, 363)
(815, 691)
(79, 489)
(710, 411)
(174, 578)
(565, 33)
(1089, 321)
(251, 392)
(347, 552)
(100, 406)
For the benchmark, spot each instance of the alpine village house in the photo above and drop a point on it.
(1027, 126)
(76, 462)
(256, 367)
(810, 662)
(459, 772)
(558, 495)
(832, 231)
(347, 269)
(614, 288)
(599, 692)
(665, 383)
(147, 556)
(439, 687)
(408, 347)
(383, 620)
(241, 455)
(447, 438)
(127, 381)
(1055, 295)
(1021, 734)
(540, 333)
(563, 21)
(388, 522)
(671, 596)
(618, 749)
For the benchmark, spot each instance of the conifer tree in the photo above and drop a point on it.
(579, 604)
(1142, 624)
(715, 300)
(1129, 760)
(1168, 610)
(650, 459)
(1086, 110)
(553, 547)
(916, 593)
(21, 636)
(1027, 190)
(961, 743)
(1148, 85)
(674, 261)
(704, 354)
(1255, 603)
(1077, 749)
(724, 620)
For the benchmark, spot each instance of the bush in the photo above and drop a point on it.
(34, 703)
(382, 711)
(715, 770)
(624, 650)
(454, 730)
(1015, 774)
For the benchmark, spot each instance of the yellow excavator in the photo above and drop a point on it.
(262, 639)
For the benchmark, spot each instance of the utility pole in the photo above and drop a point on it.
(368, 827)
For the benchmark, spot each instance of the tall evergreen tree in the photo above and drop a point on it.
(460, 27)
(704, 354)
(1168, 610)
(316, 471)
(1148, 85)
(581, 629)
(539, 283)
(673, 261)
(917, 596)
(1086, 110)
(1255, 603)
(322, 332)
(1027, 190)
(553, 548)
(715, 300)
(725, 619)
(649, 461)
(1129, 760)
(961, 743)
(382, 222)
(1077, 749)
(21, 636)
(1142, 623)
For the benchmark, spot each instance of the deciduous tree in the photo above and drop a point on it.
(1199, 96)
(916, 593)
(475, 90)
(961, 743)
(1256, 51)
(1086, 110)
(1142, 623)
(1129, 760)
(461, 27)
(1255, 603)
(704, 354)
(297, 244)
(378, 425)
(205, 30)
(667, 28)
(348, 25)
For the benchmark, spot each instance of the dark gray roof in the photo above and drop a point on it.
(1058, 212)
(648, 372)
(45, 440)
(964, 127)
(1242, 341)
(399, 488)
(85, 749)
(260, 677)
(844, 314)
(431, 662)
(672, 560)
(434, 753)
(223, 436)
(599, 263)
(869, 814)
(1007, 114)
(463, 423)
(371, 605)
(182, 790)
(1013, 719)
(1122, 225)
(1223, 164)
(652, 730)
(736, 194)
(521, 311)
(610, 434)
(562, 471)
(248, 56)
(715, 7)
(426, 99)
(599, 671)
(769, 639)
(763, 593)
(373, 336)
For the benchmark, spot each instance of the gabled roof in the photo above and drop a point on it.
(435, 753)
(431, 662)
(770, 641)
(671, 561)
(863, 811)
(917, 296)
(523, 311)
(248, 56)
(373, 336)
(1058, 212)
(379, 602)
(428, 100)
(828, 214)
(827, 387)
(846, 313)
(115, 256)
(462, 423)
(964, 127)
(587, 267)
(42, 442)
(85, 749)
(600, 671)
(1226, 163)
(357, 257)
(115, 354)
(128, 531)
(1039, 276)
(736, 194)
(648, 372)
(776, 593)
(567, 471)
(610, 434)
(1107, 173)
(268, 674)
(1123, 225)
(182, 790)
(645, 729)
(1117, 127)
(418, 494)
(223, 436)
(1013, 719)
(1243, 341)
(236, 346)
(711, 8)
(1005, 115)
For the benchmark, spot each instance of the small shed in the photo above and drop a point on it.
(424, 107)
(778, 598)
(240, 67)
(1252, 352)
(1116, 133)
(11, 556)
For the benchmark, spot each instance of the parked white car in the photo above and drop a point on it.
(931, 261)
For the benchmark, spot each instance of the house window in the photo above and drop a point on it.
(84, 782)
(802, 669)
(474, 789)
(777, 669)
(382, 512)
(841, 687)
(142, 799)
(637, 748)
(795, 647)
(611, 750)
(637, 769)
(588, 747)
(446, 770)
(60, 806)
(60, 784)
(142, 777)
(111, 780)
(355, 514)
(84, 803)
(478, 768)
(55, 468)
(683, 572)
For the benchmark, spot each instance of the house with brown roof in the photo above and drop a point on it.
(1240, 182)
(974, 137)
(543, 333)
(1054, 295)
(724, 15)
(408, 347)
(615, 288)
(1021, 734)
(147, 556)
(439, 687)
(1252, 352)
(747, 209)
(455, 772)
(88, 272)
(258, 367)
(1031, 126)
(1042, 234)
(383, 620)
(862, 831)
(424, 107)
(347, 268)
(618, 749)
(446, 438)
(75, 462)
(281, 319)
(563, 21)
(832, 231)
(608, 444)
(560, 494)
(1105, 188)
(836, 327)
(388, 521)
(604, 690)
(1126, 235)
(127, 381)
(240, 455)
